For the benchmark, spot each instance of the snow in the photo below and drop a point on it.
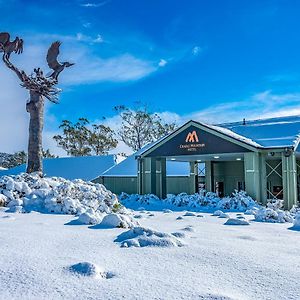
(146, 237)
(90, 270)
(118, 220)
(233, 221)
(90, 202)
(258, 261)
(239, 201)
(273, 213)
(83, 167)
(296, 223)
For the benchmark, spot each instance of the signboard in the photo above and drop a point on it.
(194, 141)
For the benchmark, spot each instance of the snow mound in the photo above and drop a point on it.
(224, 216)
(179, 218)
(296, 223)
(167, 211)
(146, 237)
(188, 228)
(180, 235)
(239, 201)
(233, 221)
(214, 297)
(189, 214)
(114, 220)
(273, 216)
(31, 192)
(89, 270)
(217, 213)
(138, 216)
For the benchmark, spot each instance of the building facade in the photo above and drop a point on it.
(264, 163)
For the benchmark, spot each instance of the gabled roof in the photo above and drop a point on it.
(281, 132)
(81, 167)
(220, 132)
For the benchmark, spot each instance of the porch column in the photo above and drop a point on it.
(289, 180)
(193, 173)
(153, 175)
(263, 179)
(162, 178)
(208, 176)
(253, 182)
(140, 176)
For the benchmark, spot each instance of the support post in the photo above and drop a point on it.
(162, 178)
(140, 174)
(208, 176)
(289, 180)
(193, 174)
(253, 175)
(153, 175)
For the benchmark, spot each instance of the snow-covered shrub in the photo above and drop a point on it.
(238, 201)
(26, 192)
(275, 204)
(272, 215)
(141, 199)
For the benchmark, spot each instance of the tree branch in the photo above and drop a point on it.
(21, 74)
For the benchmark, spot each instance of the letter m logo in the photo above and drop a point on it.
(192, 137)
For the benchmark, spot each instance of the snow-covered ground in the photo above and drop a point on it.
(40, 256)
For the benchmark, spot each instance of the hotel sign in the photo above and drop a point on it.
(194, 141)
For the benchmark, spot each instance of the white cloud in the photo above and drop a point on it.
(85, 38)
(261, 105)
(162, 63)
(92, 69)
(87, 24)
(89, 4)
(196, 50)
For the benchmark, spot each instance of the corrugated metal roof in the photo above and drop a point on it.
(81, 167)
(269, 133)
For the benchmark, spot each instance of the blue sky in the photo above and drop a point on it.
(214, 61)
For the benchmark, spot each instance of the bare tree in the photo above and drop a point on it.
(39, 87)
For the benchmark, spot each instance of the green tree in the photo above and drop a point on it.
(140, 126)
(14, 160)
(48, 154)
(82, 138)
(101, 139)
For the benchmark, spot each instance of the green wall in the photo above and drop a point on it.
(175, 184)
(230, 172)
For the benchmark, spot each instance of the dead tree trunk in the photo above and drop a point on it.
(35, 108)
(40, 87)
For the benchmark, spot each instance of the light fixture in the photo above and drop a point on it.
(199, 160)
(238, 158)
(216, 157)
(173, 158)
